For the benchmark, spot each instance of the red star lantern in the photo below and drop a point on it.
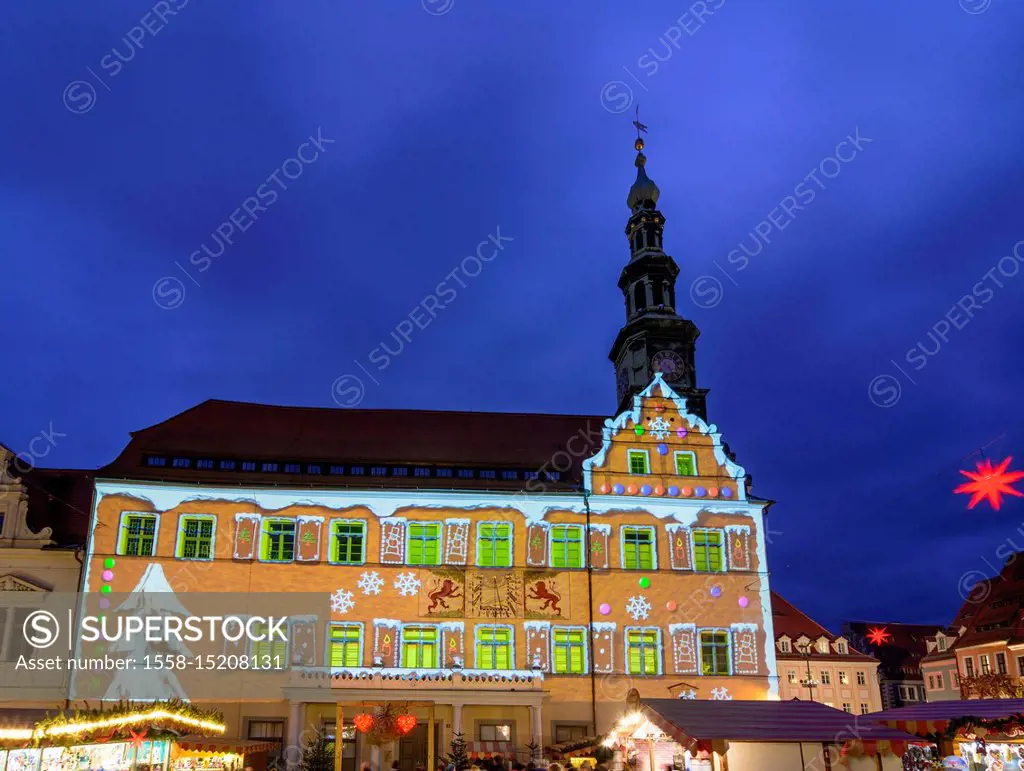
(990, 484)
(878, 636)
(138, 738)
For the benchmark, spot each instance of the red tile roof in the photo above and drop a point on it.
(225, 429)
(789, 621)
(766, 721)
(901, 656)
(998, 602)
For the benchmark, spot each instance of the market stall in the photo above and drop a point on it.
(988, 734)
(122, 738)
(751, 736)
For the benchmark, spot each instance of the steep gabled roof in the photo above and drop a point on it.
(789, 621)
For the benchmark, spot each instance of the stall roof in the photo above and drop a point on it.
(934, 717)
(766, 721)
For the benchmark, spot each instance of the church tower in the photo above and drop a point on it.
(655, 338)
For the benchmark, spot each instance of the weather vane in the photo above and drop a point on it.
(640, 127)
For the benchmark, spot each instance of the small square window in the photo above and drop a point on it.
(552, 476)
(228, 465)
(269, 467)
(419, 471)
(337, 469)
(531, 474)
(181, 463)
(292, 468)
(510, 475)
(248, 465)
(400, 471)
(378, 471)
(357, 471)
(444, 472)
(204, 463)
(638, 462)
(488, 474)
(465, 473)
(686, 464)
(156, 460)
(313, 468)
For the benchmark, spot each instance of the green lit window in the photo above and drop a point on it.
(714, 652)
(424, 543)
(567, 546)
(708, 554)
(686, 464)
(638, 548)
(346, 643)
(138, 535)
(638, 462)
(642, 653)
(419, 647)
(278, 540)
(348, 543)
(195, 538)
(275, 648)
(570, 651)
(494, 647)
(494, 545)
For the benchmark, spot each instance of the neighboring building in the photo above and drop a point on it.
(939, 668)
(816, 665)
(899, 670)
(983, 651)
(44, 516)
(506, 575)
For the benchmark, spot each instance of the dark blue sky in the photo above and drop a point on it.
(483, 115)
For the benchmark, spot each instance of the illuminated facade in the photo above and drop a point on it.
(507, 576)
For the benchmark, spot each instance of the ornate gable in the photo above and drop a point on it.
(13, 583)
(659, 448)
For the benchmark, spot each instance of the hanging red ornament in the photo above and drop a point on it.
(990, 483)
(363, 722)
(405, 723)
(878, 636)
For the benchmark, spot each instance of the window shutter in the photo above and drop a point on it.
(308, 535)
(453, 638)
(303, 636)
(392, 541)
(679, 547)
(537, 544)
(744, 649)
(738, 547)
(684, 648)
(599, 535)
(386, 642)
(538, 645)
(247, 536)
(456, 541)
(604, 646)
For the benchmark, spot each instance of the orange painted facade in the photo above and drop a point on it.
(703, 575)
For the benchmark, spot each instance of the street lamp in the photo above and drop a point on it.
(809, 682)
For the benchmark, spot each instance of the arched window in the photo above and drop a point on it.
(639, 296)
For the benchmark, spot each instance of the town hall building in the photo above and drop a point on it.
(507, 576)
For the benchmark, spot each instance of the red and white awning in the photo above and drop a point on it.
(236, 746)
(485, 749)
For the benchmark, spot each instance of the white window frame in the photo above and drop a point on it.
(362, 641)
(265, 520)
(729, 650)
(675, 462)
(784, 646)
(330, 539)
(512, 644)
(586, 648)
(658, 644)
(654, 547)
(179, 541)
(629, 461)
(511, 542)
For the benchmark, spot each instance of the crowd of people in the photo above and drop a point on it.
(498, 763)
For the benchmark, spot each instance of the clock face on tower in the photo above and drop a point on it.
(670, 364)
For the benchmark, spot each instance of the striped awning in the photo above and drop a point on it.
(486, 749)
(236, 746)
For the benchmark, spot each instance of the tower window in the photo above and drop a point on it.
(659, 298)
(639, 296)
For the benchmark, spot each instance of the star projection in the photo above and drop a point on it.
(878, 635)
(990, 483)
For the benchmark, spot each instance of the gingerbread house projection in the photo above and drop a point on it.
(507, 576)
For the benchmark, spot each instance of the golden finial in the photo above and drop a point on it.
(640, 129)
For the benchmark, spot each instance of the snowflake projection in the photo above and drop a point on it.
(638, 607)
(370, 582)
(690, 694)
(720, 694)
(660, 428)
(342, 601)
(407, 584)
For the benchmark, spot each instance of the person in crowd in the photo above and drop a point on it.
(365, 767)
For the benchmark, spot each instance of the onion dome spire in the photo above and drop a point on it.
(644, 193)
